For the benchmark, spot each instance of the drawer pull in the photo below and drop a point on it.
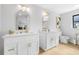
(29, 44)
(11, 49)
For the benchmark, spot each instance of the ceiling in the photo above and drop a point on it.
(60, 8)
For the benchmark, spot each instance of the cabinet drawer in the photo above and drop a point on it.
(10, 46)
(10, 51)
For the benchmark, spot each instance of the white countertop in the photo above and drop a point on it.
(20, 34)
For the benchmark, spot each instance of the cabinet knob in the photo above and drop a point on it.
(29, 44)
(11, 49)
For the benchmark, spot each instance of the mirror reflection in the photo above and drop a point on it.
(22, 20)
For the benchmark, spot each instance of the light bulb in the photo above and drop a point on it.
(19, 7)
(28, 9)
(45, 13)
(24, 8)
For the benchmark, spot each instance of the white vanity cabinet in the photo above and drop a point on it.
(23, 44)
(48, 40)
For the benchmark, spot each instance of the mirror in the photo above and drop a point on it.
(22, 20)
(45, 22)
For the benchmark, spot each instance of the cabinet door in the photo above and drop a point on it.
(51, 42)
(10, 46)
(43, 40)
(28, 45)
(34, 49)
(22, 45)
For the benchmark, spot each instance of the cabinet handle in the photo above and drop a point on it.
(11, 49)
(29, 44)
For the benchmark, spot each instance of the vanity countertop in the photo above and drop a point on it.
(20, 34)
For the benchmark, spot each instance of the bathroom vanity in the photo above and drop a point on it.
(48, 40)
(21, 44)
(21, 41)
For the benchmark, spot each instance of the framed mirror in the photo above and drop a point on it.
(45, 21)
(22, 20)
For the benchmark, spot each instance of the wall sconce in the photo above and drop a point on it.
(45, 16)
(28, 9)
(45, 13)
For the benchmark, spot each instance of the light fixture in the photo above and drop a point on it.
(19, 7)
(45, 15)
(28, 9)
(23, 8)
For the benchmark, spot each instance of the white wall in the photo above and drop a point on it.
(67, 23)
(9, 19)
(52, 25)
(36, 19)
(0, 18)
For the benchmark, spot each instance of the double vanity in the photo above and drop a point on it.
(28, 43)
(21, 44)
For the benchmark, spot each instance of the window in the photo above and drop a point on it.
(76, 21)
